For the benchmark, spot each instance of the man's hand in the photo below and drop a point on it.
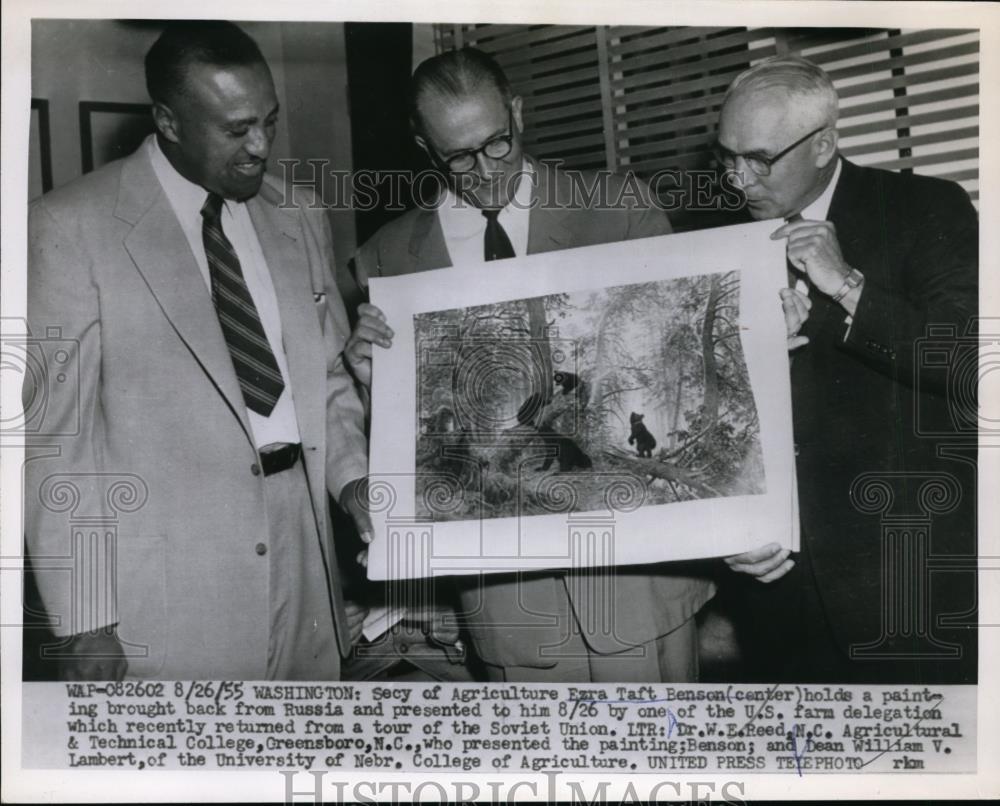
(767, 563)
(356, 615)
(439, 622)
(796, 306)
(370, 329)
(96, 655)
(354, 501)
(813, 248)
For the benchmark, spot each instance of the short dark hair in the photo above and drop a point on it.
(186, 42)
(455, 74)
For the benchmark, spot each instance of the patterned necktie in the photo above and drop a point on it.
(496, 244)
(257, 371)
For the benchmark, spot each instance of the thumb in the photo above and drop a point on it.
(364, 523)
(354, 499)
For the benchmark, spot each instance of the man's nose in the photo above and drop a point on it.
(486, 167)
(743, 177)
(257, 143)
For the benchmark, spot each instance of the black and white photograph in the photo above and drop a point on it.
(588, 402)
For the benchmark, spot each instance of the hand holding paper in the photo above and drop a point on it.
(354, 500)
(814, 249)
(796, 306)
(767, 563)
(370, 329)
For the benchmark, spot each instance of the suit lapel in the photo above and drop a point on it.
(851, 214)
(427, 246)
(548, 222)
(280, 236)
(160, 251)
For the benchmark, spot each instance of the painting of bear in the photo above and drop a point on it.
(640, 436)
(561, 447)
(570, 382)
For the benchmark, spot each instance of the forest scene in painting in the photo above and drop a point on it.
(614, 398)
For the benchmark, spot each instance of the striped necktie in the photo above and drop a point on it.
(256, 369)
(496, 244)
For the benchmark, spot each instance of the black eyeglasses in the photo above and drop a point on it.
(757, 162)
(495, 148)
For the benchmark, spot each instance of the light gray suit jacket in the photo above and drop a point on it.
(151, 488)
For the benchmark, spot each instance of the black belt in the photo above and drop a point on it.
(280, 457)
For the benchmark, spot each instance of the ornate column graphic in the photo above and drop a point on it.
(92, 505)
(906, 503)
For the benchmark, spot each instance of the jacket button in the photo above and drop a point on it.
(255, 469)
(403, 648)
(261, 549)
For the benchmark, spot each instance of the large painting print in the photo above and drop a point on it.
(647, 380)
(617, 404)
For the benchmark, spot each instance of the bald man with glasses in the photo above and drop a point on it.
(877, 261)
(627, 624)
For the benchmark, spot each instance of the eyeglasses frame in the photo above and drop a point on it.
(723, 154)
(475, 152)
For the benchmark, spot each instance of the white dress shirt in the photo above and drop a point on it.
(187, 199)
(464, 225)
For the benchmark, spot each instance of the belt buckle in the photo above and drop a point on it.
(278, 459)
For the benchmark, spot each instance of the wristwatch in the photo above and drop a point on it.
(853, 279)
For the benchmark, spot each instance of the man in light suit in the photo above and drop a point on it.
(501, 203)
(877, 259)
(196, 299)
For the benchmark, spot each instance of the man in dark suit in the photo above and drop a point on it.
(191, 295)
(500, 203)
(875, 259)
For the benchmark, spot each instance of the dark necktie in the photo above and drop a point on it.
(496, 244)
(793, 273)
(257, 371)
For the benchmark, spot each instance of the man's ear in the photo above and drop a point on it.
(515, 112)
(165, 121)
(826, 146)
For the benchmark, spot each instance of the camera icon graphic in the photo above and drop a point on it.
(47, 368)
(477, 382)
(961, 365)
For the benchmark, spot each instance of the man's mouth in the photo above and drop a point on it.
(253, 168)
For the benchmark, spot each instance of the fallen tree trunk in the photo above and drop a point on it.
(662, 470)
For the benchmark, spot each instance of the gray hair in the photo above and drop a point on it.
(798, 77)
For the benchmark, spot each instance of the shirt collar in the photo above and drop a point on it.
(820, 208)
(458, 210)
(184, 195)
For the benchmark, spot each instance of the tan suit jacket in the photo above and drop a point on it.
(523, 622)
(154, 406)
